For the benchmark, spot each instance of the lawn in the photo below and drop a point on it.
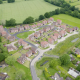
(25, 34)
(68, 19)
(12, 69)
(22, 9)
(64, 46)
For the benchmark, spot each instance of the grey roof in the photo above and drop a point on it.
(68, 78)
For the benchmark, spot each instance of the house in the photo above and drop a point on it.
(20, 42)
(24, 44)
(63, 27)
(26, 27)
(31, 37)
(33, 26)
(51, 27)
(68, 78)
(3, 33)
(10, 48)
(75, 28)
(59, 22)
(37, 34)
(69, 30)
(77, 51)
(55, 23)
(46, 29)
(11, 38)
(22, 59)
(50, 20)
(73, 72)
(57, 35)
(3, 76)
(57, 77)
(1, 28)
(21, 28)
(44, 44)
(39, 24)
(50, 40)
(44, 22)
(7, 36)
(13, 30)
(62, 33)
(41, 31)
(54, 37)
(34, 50)
(72, 58)
(29, 53)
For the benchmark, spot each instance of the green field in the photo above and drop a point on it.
(22, 9)
(68, 19)
(25, 34)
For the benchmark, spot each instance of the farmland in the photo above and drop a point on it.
(68, 20)
(22, 9)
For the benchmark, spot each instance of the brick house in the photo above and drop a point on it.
(62, 33)
(26, 27)
(55, 23)
(59, 22)
(11, 38)
(75, 28)
(63, 26)
(51, 19)
(51, 27)
(57, 35)
(29, 53)
(39, 24)
(46, 29)
(3, 76)
(44, 44)
(10, 48)
(69, 30)
(20, 42)
(44, 22)
(21, 28)
(22, 59)
(13, 30)
(7, 36)
(31, 37)
(34, 50)
(3, 33)
(37, 34)
(41, 31)
(50, 40)
(33, 26)
(54, 37)
(24, 44)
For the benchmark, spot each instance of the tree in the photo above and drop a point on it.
(11, 22)
(19, 75)
(41, 17)
(65, 59)
(2, 57)
(10, 60)
(0, 39)
(57, 11)
(75, 13)
(10, 1)
(78, 67)
(47, 14)
(53, 63)
(28, 20)
(1, 1)
(78, 78)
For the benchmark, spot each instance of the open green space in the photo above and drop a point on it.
(12, 69)
(68, 19)
(21, 9)
(25, 34)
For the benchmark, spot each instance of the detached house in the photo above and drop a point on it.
(39, 24)
(62, 33)
(3, 76)
(3, 33)
(41, 31)
(54, 37)
(22, 59)
(50, 40)
(20, 42)
(51, 27)
(10, 48)
(44, 44)
(13, 30)
(75, 28)
(55, 23)
(69, 30)
(29, 53)
(1, 28)
(63, 26)
(21, 28)
(11, 38)
(59, 22)
(7, 36)
(26, 27)
(33, 26)
(24, 44)
(44, 22)
(31, 37)
(57, 35)
(34, 50)
(50, 20)
(37, 34)
(46, 29)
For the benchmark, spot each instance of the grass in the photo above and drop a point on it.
(25, 34)
(68, 19)
(22, 9)
(11, 71)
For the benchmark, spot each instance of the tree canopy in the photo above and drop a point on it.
(47, 14)
(10, 1)
(41, 17)
(78, 67)
(1, 1)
